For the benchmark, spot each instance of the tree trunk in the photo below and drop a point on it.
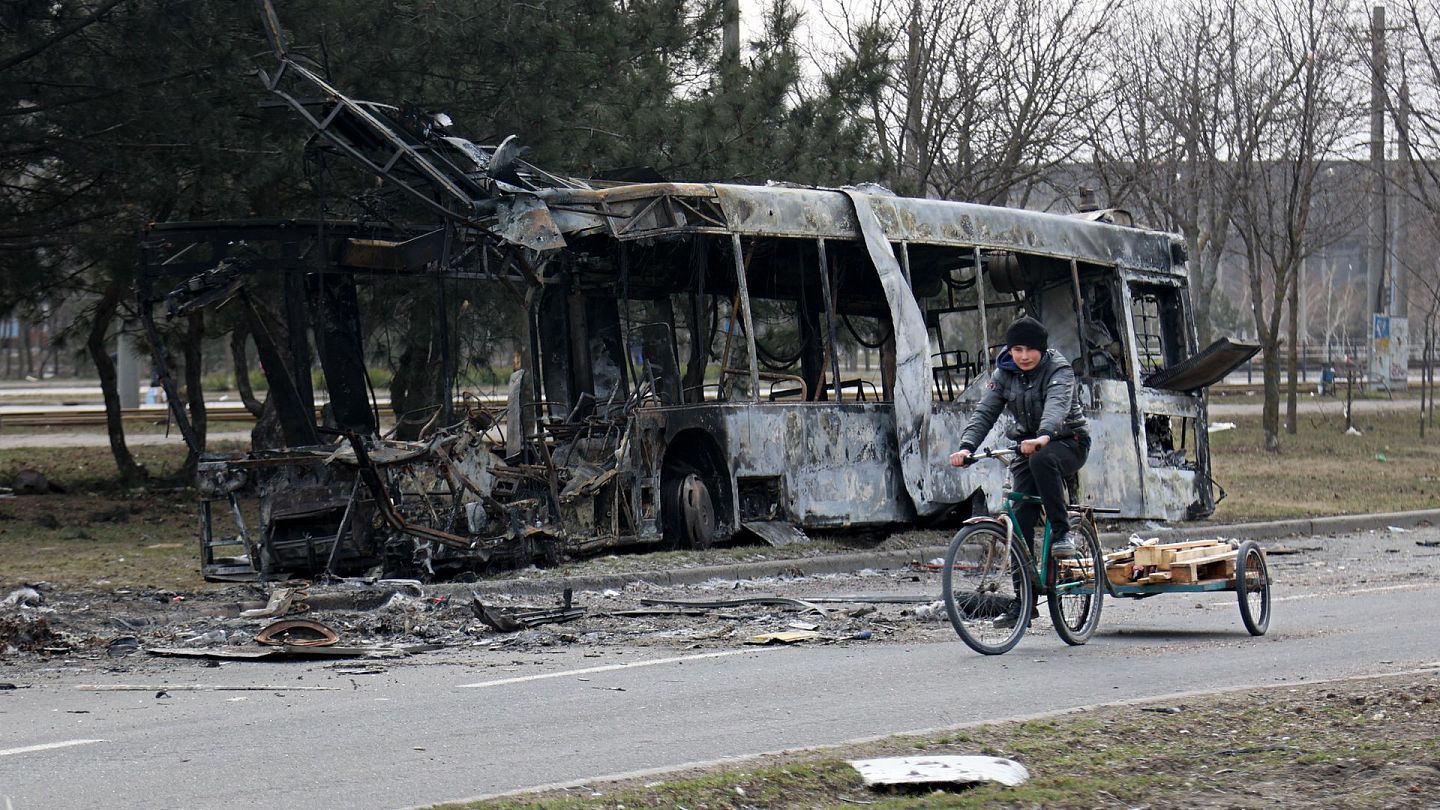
(417, 385)
(27, 350)
(129, 469)
(1291, 417)
(194, 388)
(1270, 415)
(241, 359)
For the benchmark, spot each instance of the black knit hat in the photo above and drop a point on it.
(1028, 332)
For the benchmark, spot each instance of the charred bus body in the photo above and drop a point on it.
(680, 379)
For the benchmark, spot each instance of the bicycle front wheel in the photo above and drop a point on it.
(986, 590)
(1075, 589)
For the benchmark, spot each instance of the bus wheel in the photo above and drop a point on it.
(692, 512)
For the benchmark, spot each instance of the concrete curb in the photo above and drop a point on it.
(843, 563)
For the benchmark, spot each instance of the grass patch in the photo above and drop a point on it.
(1321, 471)
(1357, 743)
(96, 532)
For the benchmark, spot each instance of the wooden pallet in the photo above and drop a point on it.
(1186, 563)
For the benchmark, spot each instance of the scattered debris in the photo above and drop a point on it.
(1220, 427)
(510, 620)
(956, 770)
(289, 650)
(122, 646)
(23, 597)
(198, 687)
(27, 634)
(30, 481)
(1163, 709)
(882, 599)
(283, 600)
(297, 633)
(1282, 550)
(932, 611)
(727, 603)
(784, 637)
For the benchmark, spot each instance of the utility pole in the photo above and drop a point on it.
(730, 34)
(1375, 286)
(914, 101)
(1404, 255)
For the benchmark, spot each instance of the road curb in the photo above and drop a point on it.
(883, 560)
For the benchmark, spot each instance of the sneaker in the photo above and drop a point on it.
(1063, 548)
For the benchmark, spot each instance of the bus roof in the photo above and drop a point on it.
(643, 210)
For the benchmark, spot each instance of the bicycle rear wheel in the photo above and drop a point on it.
(1075, 590)
(986, 590)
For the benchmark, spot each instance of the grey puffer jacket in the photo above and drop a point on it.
(1044, 400)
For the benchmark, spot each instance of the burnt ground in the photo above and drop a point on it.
(54, 629)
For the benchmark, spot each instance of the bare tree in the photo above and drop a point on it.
(972, 100)
(1418, 129)
(1333, 305)
(1305, 51)
(1183, 122)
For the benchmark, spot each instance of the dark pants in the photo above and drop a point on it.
(1043, 473)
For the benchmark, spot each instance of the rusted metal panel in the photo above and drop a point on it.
(912, 353)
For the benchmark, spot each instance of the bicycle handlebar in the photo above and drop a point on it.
(1000, 453)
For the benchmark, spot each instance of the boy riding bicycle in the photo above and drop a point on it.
(1036, 385)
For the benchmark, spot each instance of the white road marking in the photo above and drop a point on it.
(606, 668)
(46, 746)
(1411, 586)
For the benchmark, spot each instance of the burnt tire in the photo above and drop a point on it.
(690, 517)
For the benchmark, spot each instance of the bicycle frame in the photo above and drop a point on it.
(1009, 519)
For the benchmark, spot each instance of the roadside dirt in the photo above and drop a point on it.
(1363, 742)
(44, 628)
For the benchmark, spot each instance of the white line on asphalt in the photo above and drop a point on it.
(606, 668)
(46, 747)
(1411, 586)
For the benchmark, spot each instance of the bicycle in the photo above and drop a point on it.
(990, 584)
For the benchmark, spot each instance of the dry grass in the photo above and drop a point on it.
(1322, 471)
(96, 533)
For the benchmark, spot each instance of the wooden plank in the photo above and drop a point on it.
(1193, 554)
(1219, 569)
(1193, 573)
(1184, 544)
(1158, 556)
(1221, 555)
(1158, 576)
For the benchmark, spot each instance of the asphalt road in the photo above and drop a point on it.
(468, 723)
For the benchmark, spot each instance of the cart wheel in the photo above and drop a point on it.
(1252, 587)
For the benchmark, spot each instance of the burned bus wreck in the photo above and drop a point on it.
(680, 380)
